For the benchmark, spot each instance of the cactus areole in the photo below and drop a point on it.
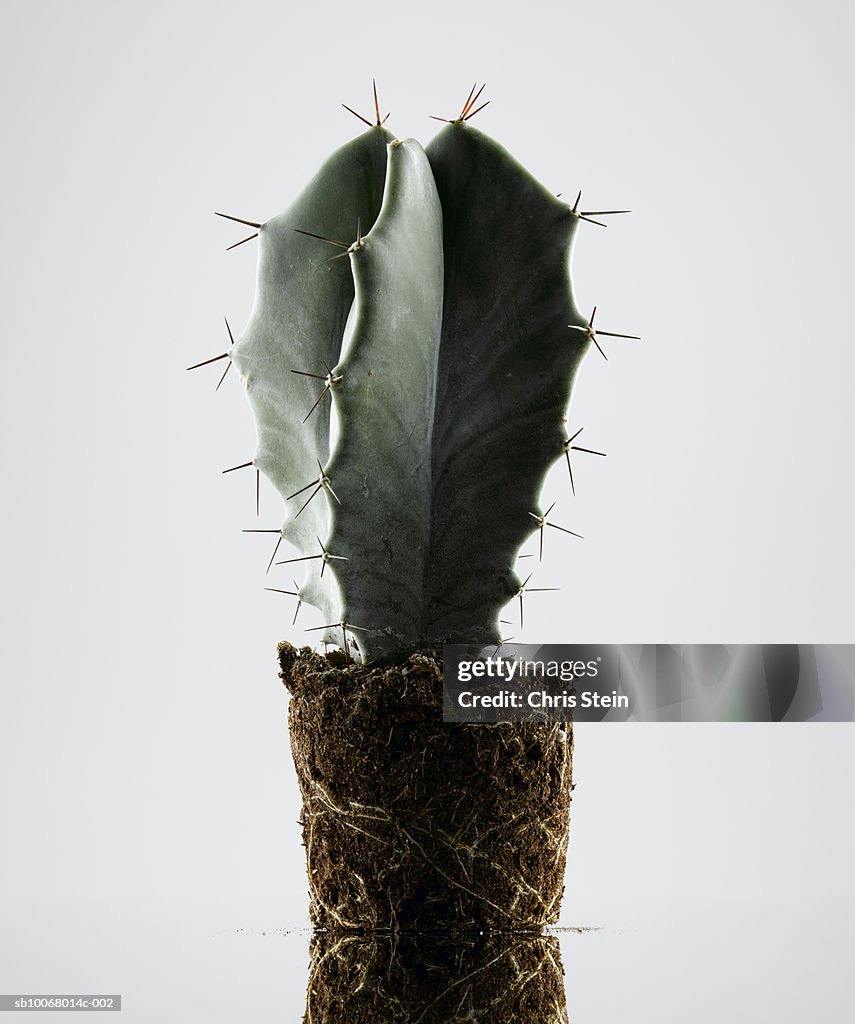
(425, 294)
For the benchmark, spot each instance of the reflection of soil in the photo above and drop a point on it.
(428, 979)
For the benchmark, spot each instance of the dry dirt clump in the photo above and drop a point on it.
(411, 823)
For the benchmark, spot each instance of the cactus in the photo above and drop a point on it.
(426, 293)
(425, 296)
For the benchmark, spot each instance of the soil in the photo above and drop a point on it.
(411, 823)
(496, 978)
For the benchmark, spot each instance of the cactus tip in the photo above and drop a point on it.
(290, 593)
(243, 465)
(329, 383)
(588, 215)
(206, 362)
(543, 521)
(568, 446)
(466, 111)
(526, 589)
(248, 238)
(321, 484)
(378, 121)
(325, 555)
(275, 550)
(593, 334)
(239, 220)
(361, 118)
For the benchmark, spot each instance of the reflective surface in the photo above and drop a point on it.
(228, 962)
(408, 978)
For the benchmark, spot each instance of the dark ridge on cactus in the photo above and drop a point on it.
(505, 374)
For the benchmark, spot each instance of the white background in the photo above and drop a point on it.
(143, 749)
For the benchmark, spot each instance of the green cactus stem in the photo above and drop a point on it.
(427, 295)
